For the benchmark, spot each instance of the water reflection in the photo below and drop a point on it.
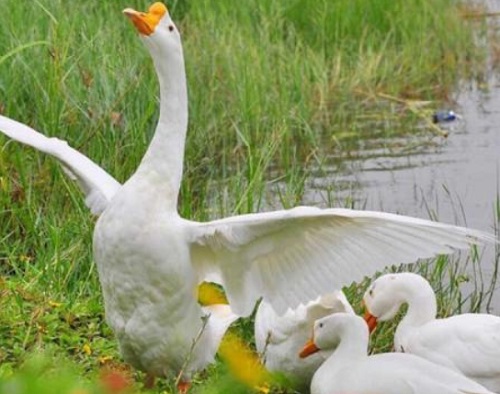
(458, 178)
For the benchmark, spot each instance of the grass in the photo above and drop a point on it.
(273, 87)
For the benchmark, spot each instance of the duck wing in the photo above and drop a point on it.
(99, 187)
(292, 256)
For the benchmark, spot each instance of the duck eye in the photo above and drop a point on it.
(320, 325)
(371, 292)
(170, 27)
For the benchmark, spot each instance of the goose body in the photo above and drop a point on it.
(140, 247)
(277, 338)
(468, 343)
(150, 259)
(350, 370)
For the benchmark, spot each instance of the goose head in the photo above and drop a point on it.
(383, 299)
(157, 31)
(329, 331)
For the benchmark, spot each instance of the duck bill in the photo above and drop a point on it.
(140, 21)
(371, 321)
(308, 349)
(146, 22)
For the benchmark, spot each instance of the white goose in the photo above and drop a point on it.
(469, 343)
(277, 338)
(350, 370)
(150, 259)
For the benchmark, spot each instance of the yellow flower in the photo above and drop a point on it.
(244, 363)
(211, 294)
(86, 349)
(104, 359)
(263, 389)
(54, 304)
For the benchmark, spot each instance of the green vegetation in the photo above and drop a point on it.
(274, 85)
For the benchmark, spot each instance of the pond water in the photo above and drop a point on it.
(457, 178)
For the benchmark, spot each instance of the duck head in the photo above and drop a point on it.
(382, 300)
(157, 30)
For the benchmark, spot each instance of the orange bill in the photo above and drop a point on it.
(308, 349)
(146, 22)
(371, 321)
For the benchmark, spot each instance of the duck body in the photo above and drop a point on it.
(390, 373)
(277, 338)
(147, 285)
(140, 248)
(468, 343)
(350, 370)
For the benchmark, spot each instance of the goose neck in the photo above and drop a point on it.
(421, 300)
(164, 158)
(354, 341)
(352, 347)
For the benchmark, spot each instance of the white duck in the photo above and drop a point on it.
(277, 338)
(150, 259)
(350, 370)
(469, 343)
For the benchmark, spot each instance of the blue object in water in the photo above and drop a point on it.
(444, 116)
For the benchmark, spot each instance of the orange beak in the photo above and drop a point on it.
(371, 321)
(308, 349)
(146, 22)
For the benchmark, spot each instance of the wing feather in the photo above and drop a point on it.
(292, 256)
(99, 187)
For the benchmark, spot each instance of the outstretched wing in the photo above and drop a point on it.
(99, 187)
(292, 256)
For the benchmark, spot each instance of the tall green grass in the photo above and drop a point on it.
(273, 86)
(269, 82)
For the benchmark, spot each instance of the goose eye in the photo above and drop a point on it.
(320, 325)
(371, 292)
(171, 28)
